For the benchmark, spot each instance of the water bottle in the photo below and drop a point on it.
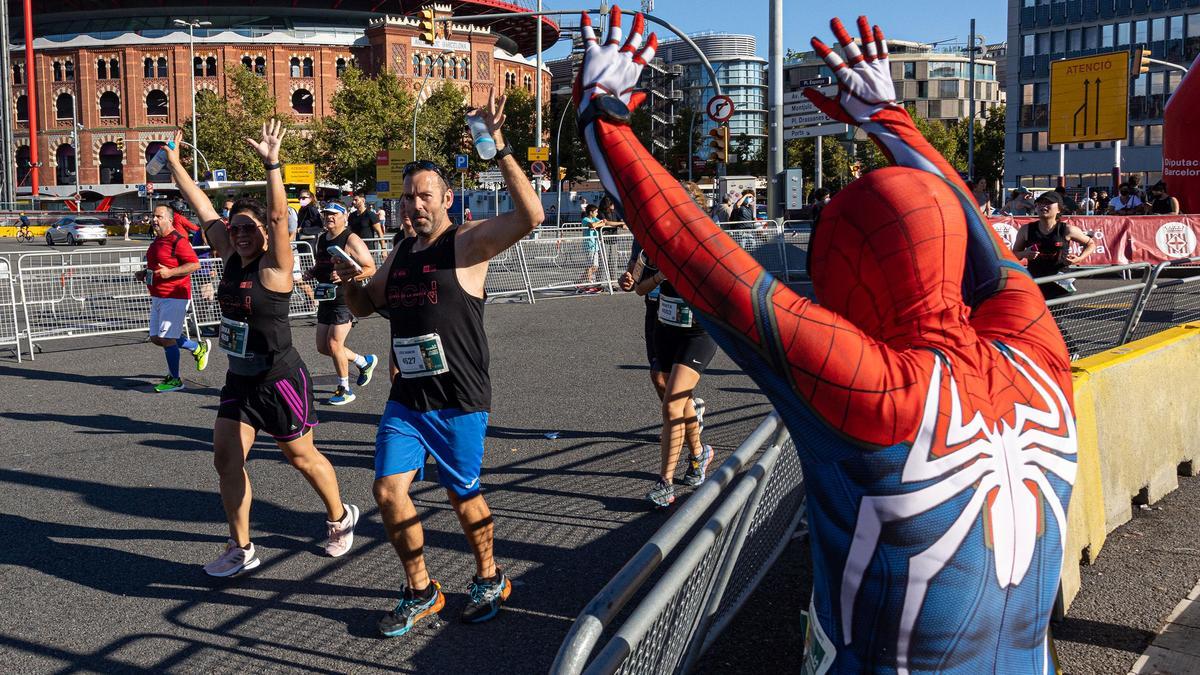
(159, 161)
(485, 145)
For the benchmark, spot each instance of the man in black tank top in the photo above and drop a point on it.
(432, 287)
(334, 319)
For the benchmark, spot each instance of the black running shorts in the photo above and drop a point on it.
(284, 408)
(694, 349)
(334, 313)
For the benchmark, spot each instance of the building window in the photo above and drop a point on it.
(1058, 42)
(339, 67)
(64, 107)
(247, 63)
(114, 69)
(162, 66)
(528, 83)
(306, 67)
(111, 159)
(923, 89)
(441, 67)
(22, 108)
(302, 102)
(101, 69)
(453, 72)
(1026, 142)
(65, 158)
(1122, 34)
(210, 66)
(1106, 37)
(148, 67)
(163, 176)
(464, 69)
(70, 71)
(1091, 37)
(23, 164)
(156, 103)
(1141, 30)
(910, 70)
(58, 72)
(198, 67)
(948, 89)
(1029, 45)
(110, 104)
(427, 66)
(295, 66)
(416, 65)
(1074, 40)
(260, 66)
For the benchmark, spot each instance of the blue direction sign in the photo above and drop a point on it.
(461, 162)
(219, 174)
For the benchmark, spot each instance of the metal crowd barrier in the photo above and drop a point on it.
(742, 531)
(10, 329)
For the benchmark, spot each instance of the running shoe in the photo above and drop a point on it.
(663, 494)
(233, 560)
(201, 354)
(364, 373)
(698, 404)
(341, 533)
(169, 384)
(486, 597)
(698, 467)
(342, 396)
(410, 610)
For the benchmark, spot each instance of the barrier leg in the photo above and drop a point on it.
(525, 271)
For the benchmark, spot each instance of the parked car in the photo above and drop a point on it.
(76, 230)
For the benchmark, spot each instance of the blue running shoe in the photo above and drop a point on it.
(410, 610)
(364, 373)
(697, 469)
(486, 597)
(342, 396)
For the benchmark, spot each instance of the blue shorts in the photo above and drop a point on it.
(452, 437)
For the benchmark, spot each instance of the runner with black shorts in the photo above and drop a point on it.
(267, 386)
(432, 287)
(334, 319)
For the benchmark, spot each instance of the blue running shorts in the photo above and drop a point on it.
(452, 437)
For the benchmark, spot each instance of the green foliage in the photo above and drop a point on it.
(989, 146)
(369, 114)
(520, 128)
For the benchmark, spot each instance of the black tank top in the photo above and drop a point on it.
(1161, 206)
(437, 331)
(1052, 250)
(243, 298)
(323, 262)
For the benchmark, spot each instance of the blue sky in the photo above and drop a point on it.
(922, 20)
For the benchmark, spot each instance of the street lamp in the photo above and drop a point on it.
(417, 103)
(564, 91)
(192, 26)
(75, 127)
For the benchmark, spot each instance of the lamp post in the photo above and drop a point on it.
(565, 91)
(75, 126)
(192, 26)
(417, 103)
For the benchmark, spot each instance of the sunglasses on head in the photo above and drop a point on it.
(425, 165)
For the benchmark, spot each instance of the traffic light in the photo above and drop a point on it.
(720, 143)
(427, 33)
(1141, 62)
(562, 173)
(120, 144)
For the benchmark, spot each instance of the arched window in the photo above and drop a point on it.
(210, 66)
(441, 67)
(260, 66)
(464, 69)
(198, 67)
(110, 104)
(453, 71)
(65, 158)
(428, 66)
(295, 63)
(162, 66)
(163, 176)
(114, 69)
(111, 159)
(64, 107)
(416, 65)
(340, 67)
(302, 102)
(156, 103)
(148, 67)
(18, 74)
(22, 108)
(247, 63)
(23, 164)
(70, 68)
(57, 71)
(101, 69)
(306, 67)
(528, 83)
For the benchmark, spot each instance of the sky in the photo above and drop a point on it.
(920, 20)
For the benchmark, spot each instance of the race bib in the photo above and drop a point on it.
(819, 651)
(233, 337)
(421, 356)
(674, 312)
(325, 292)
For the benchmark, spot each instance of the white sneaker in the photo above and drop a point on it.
(233, 560)
(341, 534)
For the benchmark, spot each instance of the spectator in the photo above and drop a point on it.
(1161, 202)
(1125, 204)
(1020, 203)
(126, 223)
(382, 213)
(1070, 206)
(1087, 206)
(591, 247)
(820, 197)
(225, 209)
(364, 222)
(982, 197)
(743, 210)
(608, 213)
(1135, 187)
(1102, 201)
(309, 222)
(293, 223)
(723, 212)
(466, 217)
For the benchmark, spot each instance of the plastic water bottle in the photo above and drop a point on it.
(159, 161)
(485, 145)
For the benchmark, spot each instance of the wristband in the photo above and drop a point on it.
(272, 167)
(506, 151)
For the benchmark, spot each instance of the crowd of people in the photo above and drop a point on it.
(1130, 200)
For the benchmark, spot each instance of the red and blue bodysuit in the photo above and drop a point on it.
(927, 388)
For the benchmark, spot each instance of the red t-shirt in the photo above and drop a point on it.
(183, 226)
(170, 252)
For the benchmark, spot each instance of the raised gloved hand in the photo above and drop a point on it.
(612, 69)
(864, 79)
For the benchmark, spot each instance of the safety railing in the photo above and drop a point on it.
(679, 613)
(1094, 321)
(10, 329)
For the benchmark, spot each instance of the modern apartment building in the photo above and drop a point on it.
(1042, 31)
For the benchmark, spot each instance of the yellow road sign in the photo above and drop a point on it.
(1089, 99)
(541, 154)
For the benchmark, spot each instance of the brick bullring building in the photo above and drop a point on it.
(130, 69)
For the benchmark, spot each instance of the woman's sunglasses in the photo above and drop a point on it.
(243, 226)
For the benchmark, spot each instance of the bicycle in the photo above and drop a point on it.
(24, 235)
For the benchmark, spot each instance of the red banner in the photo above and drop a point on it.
(1124, 239)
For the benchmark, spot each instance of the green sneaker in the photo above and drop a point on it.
(169, 384)
(201, 354)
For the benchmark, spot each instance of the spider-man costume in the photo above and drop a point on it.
(928, 394)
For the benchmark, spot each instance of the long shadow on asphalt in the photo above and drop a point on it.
(117, 382)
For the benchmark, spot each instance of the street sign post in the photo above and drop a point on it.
(491, 180)
(813, 82)
(719, 109)
(141, 188)
(219, 175)
(812, 132)
(541, 154)
(1089, 99)
(537, 168)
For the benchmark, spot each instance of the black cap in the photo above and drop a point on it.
(1050, 196)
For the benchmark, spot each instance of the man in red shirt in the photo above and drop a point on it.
(170, 262)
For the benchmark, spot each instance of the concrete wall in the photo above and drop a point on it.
(1138, 430)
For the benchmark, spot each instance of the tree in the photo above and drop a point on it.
(802, 152)
(369, 114)
(520, 128)
(989, 146)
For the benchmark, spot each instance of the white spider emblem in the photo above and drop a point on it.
(991, 461)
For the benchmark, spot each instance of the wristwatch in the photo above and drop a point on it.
(506, 151)
(608, 107)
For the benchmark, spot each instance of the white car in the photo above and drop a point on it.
(76, 230)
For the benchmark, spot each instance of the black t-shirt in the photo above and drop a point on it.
(363, 224)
